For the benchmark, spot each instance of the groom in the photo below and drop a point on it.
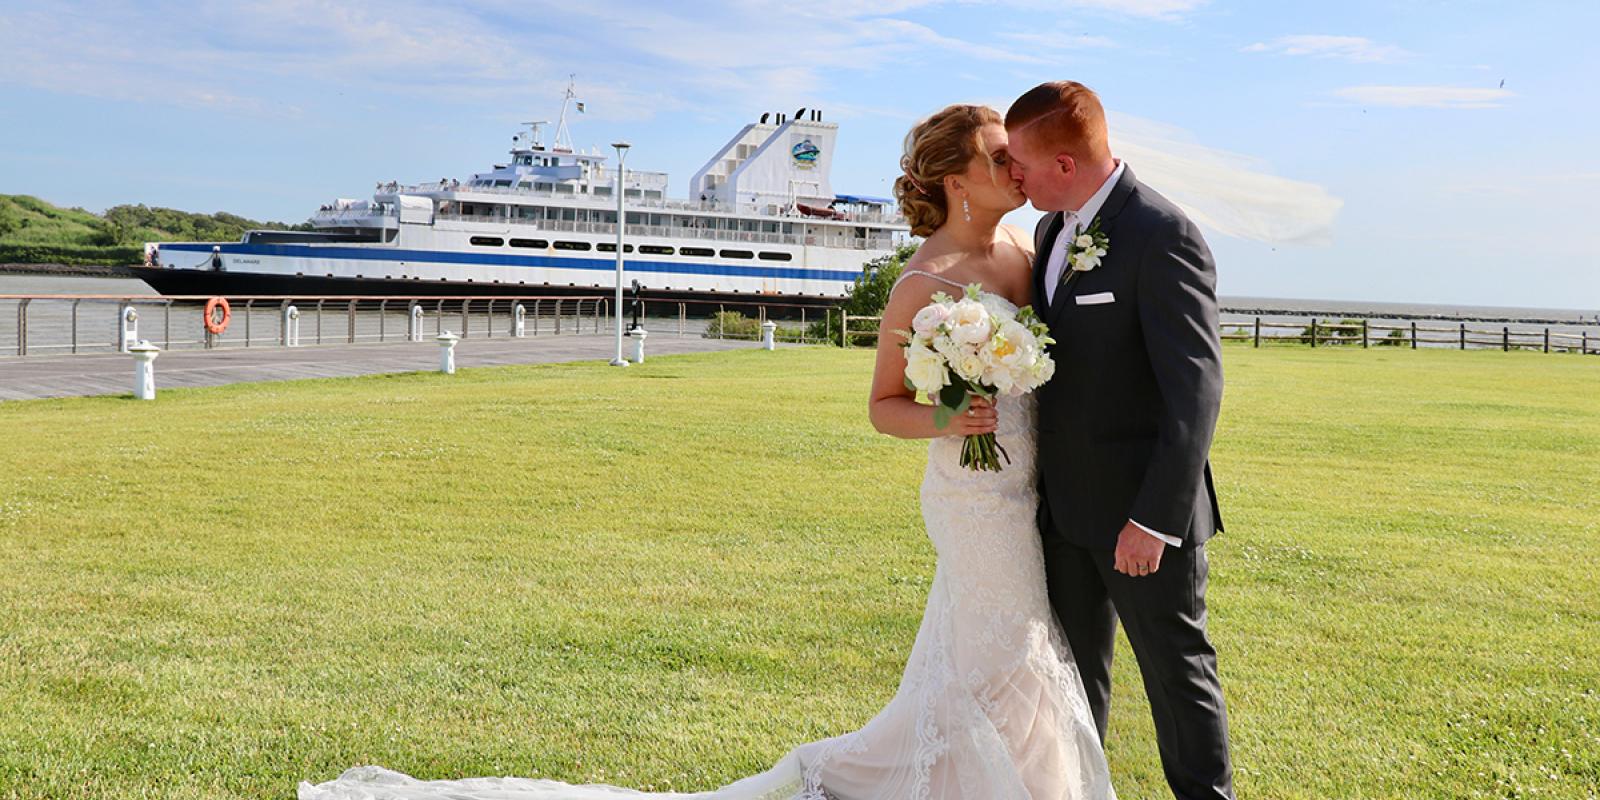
(1126, 498)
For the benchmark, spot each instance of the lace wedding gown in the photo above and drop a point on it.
(990, 706)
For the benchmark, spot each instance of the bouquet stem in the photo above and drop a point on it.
(982, 453)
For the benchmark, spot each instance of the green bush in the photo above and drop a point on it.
(10, 220)
(1328, 335)
(47, 253)
(734, 325)
(1395, 338)
(34, 231)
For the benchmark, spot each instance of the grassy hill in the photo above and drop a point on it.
(33, 231)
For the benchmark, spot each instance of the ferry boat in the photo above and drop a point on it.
(761, 222)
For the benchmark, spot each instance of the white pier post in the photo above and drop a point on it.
(769, 331)
(414, 326)
(127, 327)
(447, 352)
(291, 326)
(638, 335)
(519, 321)
(144, 369)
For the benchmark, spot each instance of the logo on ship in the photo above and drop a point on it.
(805, 154)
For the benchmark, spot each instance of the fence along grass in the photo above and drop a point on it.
(1362, 332)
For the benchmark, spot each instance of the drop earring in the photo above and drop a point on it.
(966, 210)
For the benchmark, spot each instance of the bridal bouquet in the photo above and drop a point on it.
(975, 347)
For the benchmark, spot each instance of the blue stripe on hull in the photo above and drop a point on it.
(498, 260)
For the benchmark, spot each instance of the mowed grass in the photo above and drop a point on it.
(667, 576)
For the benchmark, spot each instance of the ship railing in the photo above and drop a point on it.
(354, 213)
(683, 232)
(607, 202)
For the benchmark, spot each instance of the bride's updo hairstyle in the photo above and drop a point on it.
(943, 144)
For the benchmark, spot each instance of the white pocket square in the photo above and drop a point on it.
(1095, 299)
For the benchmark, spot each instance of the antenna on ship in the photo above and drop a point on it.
(533, 134)
(563, 141)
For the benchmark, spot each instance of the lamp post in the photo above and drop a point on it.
(616, 310)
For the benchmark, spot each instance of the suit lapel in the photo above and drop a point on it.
(1041, 263)
(1108, 213)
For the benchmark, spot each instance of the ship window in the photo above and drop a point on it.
(765, 256)
(573, 246)
(537, 244)
(611, 247)
(655, 250)
(488, 241)
(703, 252)
(502, 183)
(738, 254)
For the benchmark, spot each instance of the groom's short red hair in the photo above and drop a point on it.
(1065, 115)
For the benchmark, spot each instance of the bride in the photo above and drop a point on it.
(990, 704)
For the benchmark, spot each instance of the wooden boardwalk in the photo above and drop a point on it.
(35, 377)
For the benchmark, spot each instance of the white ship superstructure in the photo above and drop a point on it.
(761, 219)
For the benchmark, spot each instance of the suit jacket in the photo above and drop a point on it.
(1125, 425)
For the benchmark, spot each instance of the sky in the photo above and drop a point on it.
(1344, 151)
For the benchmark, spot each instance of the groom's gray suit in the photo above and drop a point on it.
(1124, 431)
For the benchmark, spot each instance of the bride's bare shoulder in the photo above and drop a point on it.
(1018, 238)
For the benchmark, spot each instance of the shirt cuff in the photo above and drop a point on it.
(1171, 540)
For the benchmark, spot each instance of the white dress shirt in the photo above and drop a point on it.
(1072, 224)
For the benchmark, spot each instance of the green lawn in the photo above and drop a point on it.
(667, 576)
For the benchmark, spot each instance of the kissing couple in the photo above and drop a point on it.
(1101, 516)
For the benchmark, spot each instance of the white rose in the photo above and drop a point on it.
(1087, 260)
(969, 366)
(969, 322)
(928, 320)
(1084, 241)
(925, 368)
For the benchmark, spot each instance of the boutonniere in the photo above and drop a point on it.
(1087, 248)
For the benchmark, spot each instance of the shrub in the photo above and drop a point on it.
(1328, 335)
(734, 325)
(1395, 338)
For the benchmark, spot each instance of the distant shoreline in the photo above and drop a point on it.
(90, 270)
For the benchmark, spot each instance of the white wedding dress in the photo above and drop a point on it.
(990, 706)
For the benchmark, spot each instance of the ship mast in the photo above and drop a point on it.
(563, 142)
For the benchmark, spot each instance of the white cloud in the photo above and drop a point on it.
(1349, 48)
(1426, 96)
(1153, 9)
(1226, 192)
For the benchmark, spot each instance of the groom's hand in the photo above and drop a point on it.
(1138, 553)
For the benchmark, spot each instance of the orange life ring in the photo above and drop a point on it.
(215, 326)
